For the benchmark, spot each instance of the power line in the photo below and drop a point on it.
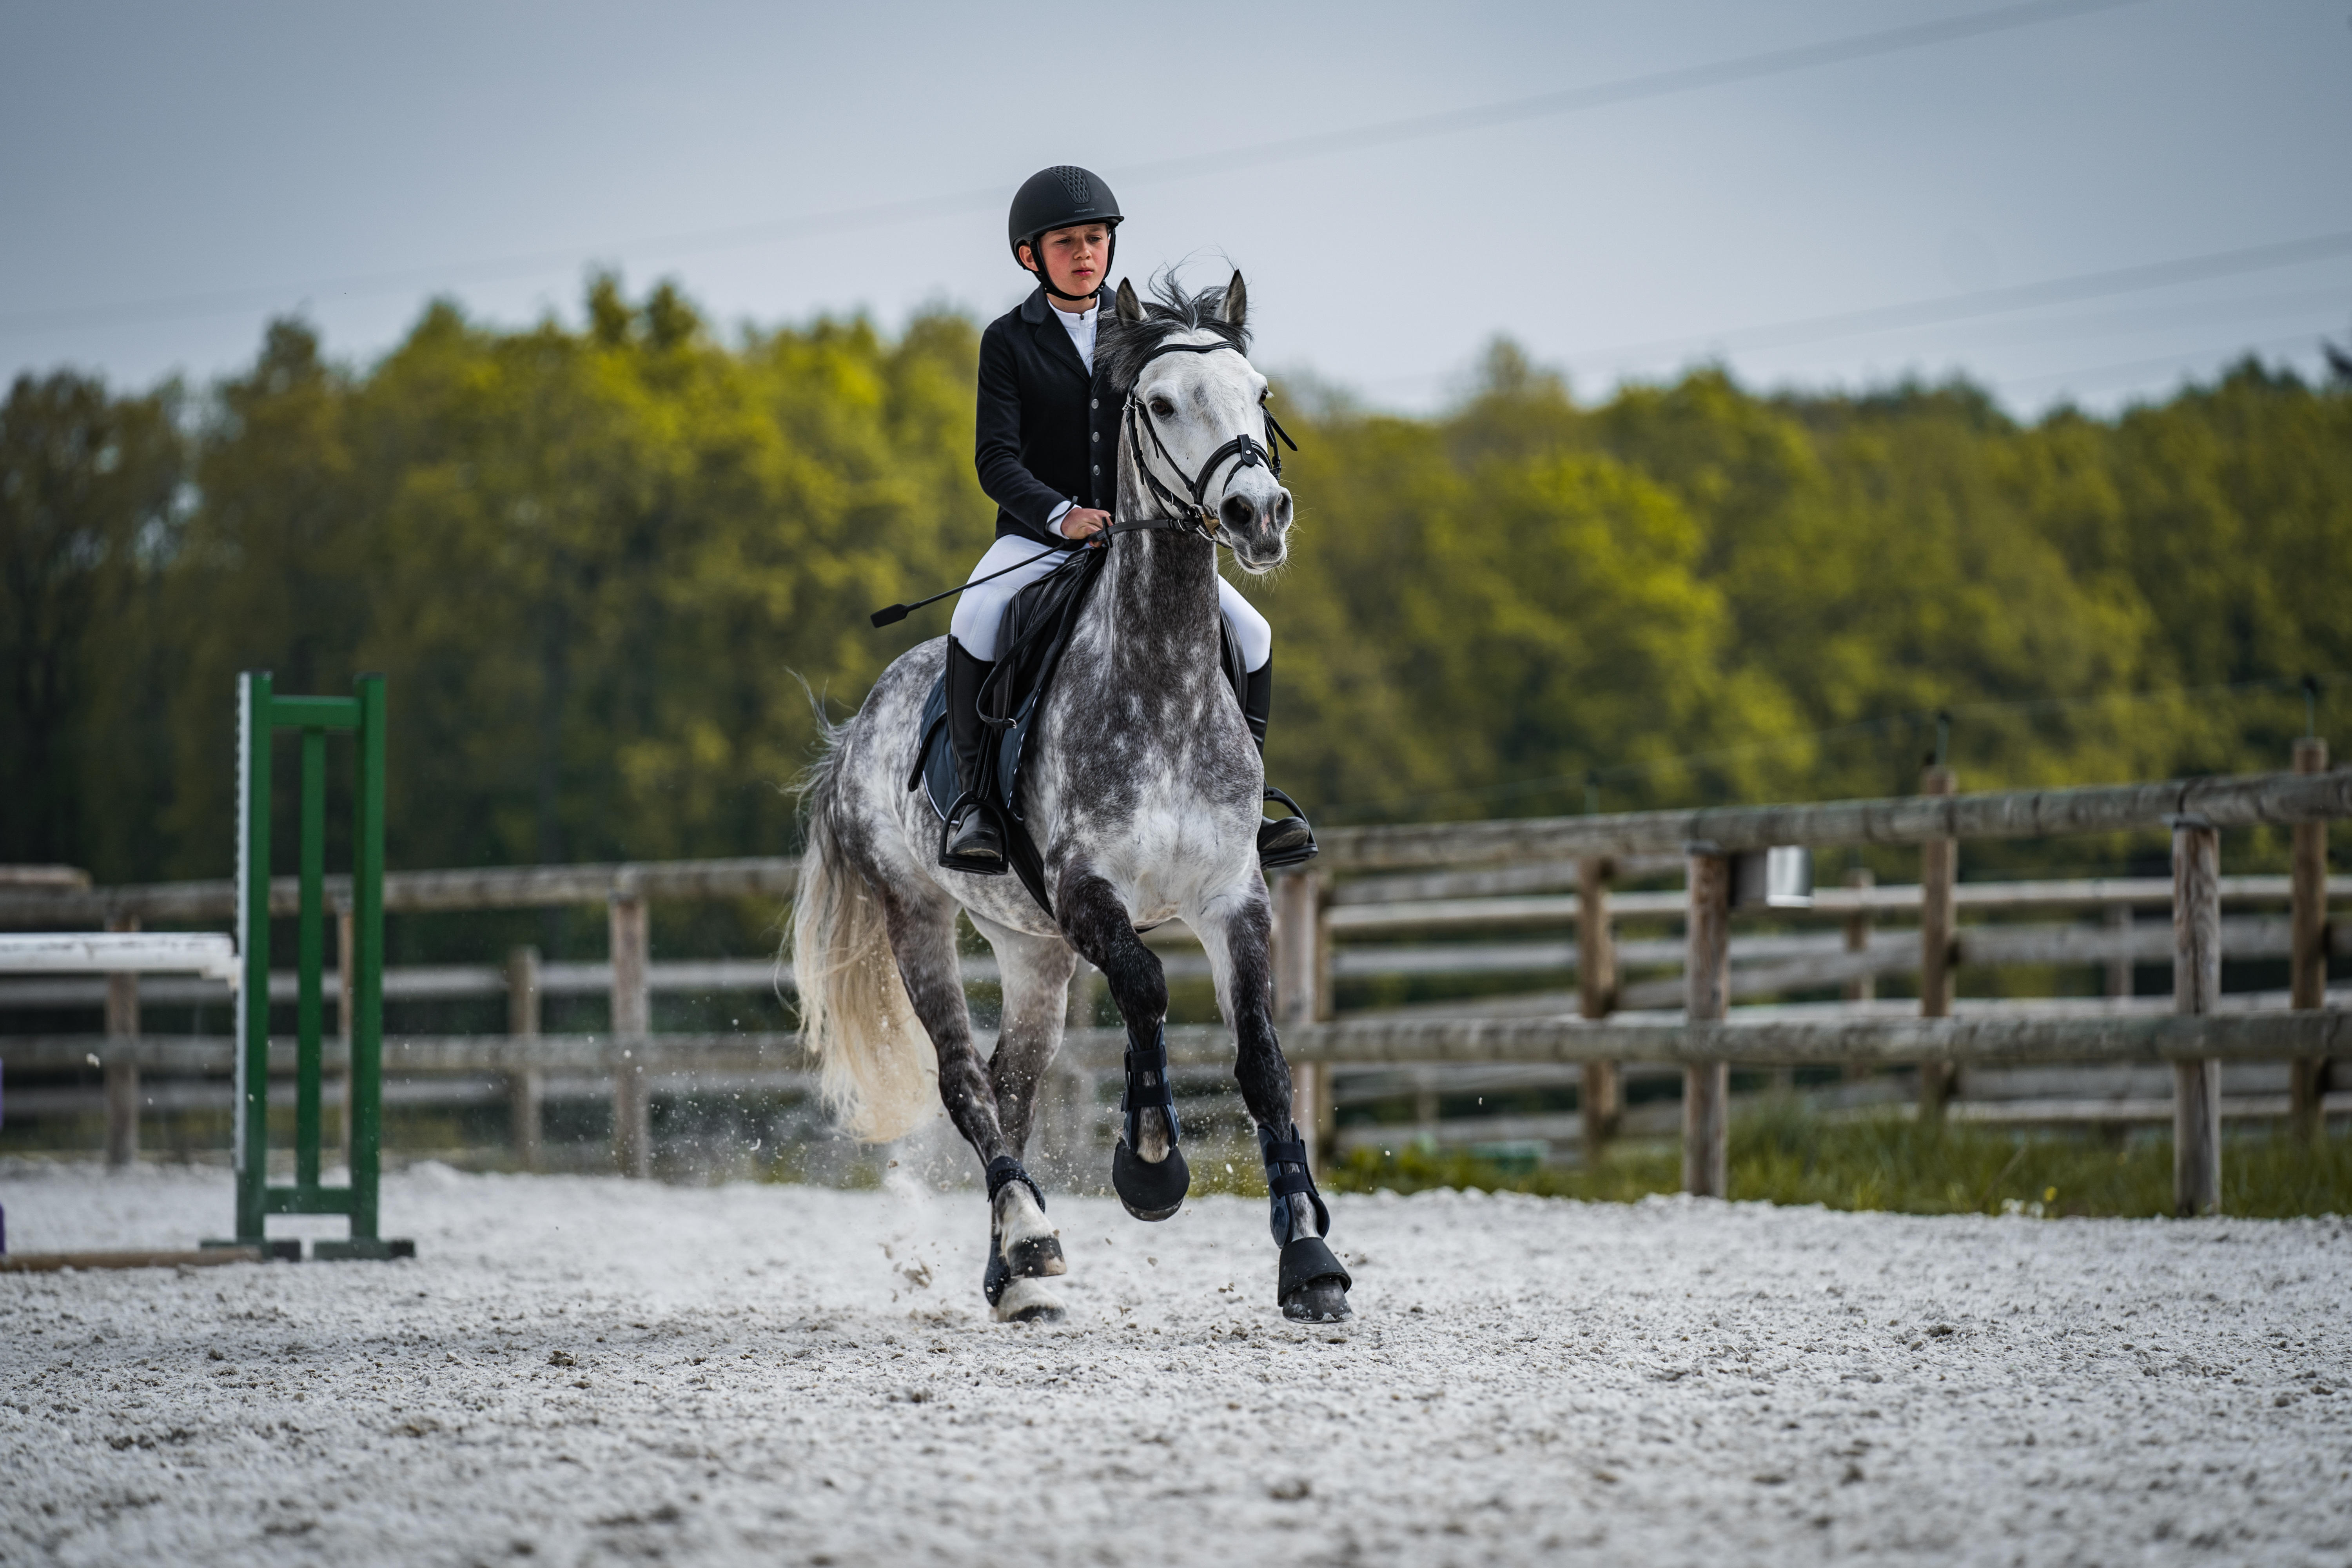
(1289, 149)
(1946, 308)
(2132, 367)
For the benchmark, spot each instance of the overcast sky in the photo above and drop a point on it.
(2087, 201)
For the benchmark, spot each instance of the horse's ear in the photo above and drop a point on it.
(1130, 309)
(1236, 301)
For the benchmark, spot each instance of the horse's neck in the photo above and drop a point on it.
(1162, 602)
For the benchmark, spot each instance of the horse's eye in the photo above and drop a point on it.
(1163, 408)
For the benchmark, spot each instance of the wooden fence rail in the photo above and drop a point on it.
(1498, 873)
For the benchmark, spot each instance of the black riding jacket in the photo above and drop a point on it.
(1047, 431)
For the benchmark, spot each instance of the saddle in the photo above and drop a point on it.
(1036, 630)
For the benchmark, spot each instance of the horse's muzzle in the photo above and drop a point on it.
(1257, 529)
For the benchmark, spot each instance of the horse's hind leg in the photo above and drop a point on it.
(1237, 929)
(1021, 1246)
(1147, 1168)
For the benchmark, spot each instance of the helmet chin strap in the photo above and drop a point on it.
(1046, 276)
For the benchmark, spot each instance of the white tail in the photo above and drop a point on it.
(877, 1069)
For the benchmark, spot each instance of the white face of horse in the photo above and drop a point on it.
(1198, 402)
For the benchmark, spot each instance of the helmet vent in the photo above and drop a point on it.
(1074, 180)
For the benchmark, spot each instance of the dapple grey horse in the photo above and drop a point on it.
(1141, 787)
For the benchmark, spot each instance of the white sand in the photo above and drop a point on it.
(779, 1375)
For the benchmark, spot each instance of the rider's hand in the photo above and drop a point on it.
(1081, 520)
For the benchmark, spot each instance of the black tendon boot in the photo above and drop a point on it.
(1311, 1285)
(1285, 840)
(972, 840)
(1150, 1189)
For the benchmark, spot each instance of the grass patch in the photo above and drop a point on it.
(1783, 1153)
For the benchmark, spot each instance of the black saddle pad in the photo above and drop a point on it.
(1036, 628)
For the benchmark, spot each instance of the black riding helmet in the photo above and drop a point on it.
(1060, 197)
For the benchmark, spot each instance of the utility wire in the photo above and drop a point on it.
(1995, 301)
(1289, 149)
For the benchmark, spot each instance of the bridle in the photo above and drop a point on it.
(1245, 451)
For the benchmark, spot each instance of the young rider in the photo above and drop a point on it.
(1048, 451)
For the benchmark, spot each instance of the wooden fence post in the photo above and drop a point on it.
(1706, 1086)
(2196, 986)
(1862, 988)
(632, 1024)
(1938, 915)
(2308, 1089)
(526, 1085)
(121, 1070)
(1299, 998)
(1600, 1101)
(1067, 1120)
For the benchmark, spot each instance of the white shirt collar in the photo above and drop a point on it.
(1081, 324)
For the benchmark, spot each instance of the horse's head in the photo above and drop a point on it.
(1199, 439)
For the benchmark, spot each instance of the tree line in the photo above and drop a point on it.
(597, 562)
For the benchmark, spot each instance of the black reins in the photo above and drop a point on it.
(1247, 452)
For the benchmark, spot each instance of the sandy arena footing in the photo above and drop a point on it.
(580, 1370)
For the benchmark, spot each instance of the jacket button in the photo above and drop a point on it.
(1098, 468)
(1096, 436)
(1093, 403)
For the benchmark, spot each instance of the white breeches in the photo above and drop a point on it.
(980, 611)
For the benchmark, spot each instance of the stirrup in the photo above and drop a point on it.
(1292, 845)
(967, 806)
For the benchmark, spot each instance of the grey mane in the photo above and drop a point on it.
(1125, 347)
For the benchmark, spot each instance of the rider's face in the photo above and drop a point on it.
(1075, 257)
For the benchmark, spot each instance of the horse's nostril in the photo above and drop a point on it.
(1237, 512)
(1282, 510)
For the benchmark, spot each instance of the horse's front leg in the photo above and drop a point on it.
(1237, 929)
(1147, 1169)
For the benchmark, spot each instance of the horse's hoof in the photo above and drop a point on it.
(1311, 1285)
(1323, 1304)
(1027, 1301)
(1149, 1191)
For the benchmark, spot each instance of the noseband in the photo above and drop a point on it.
(1247, 452)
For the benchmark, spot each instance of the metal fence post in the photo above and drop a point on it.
(1297, 997)
(1600, 1097)
(2308, 1087)
(121, 1065)
(2196, 986)
(1706, 1086)
(527, 1084)
(1939, 916)
(632, 1024)
(346, 1003)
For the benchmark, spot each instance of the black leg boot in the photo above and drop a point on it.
(1285, 840)
(971, 841)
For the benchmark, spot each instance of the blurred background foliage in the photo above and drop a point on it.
(595, 563)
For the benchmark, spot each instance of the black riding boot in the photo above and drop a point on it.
(1285, 840)
(970, 841)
